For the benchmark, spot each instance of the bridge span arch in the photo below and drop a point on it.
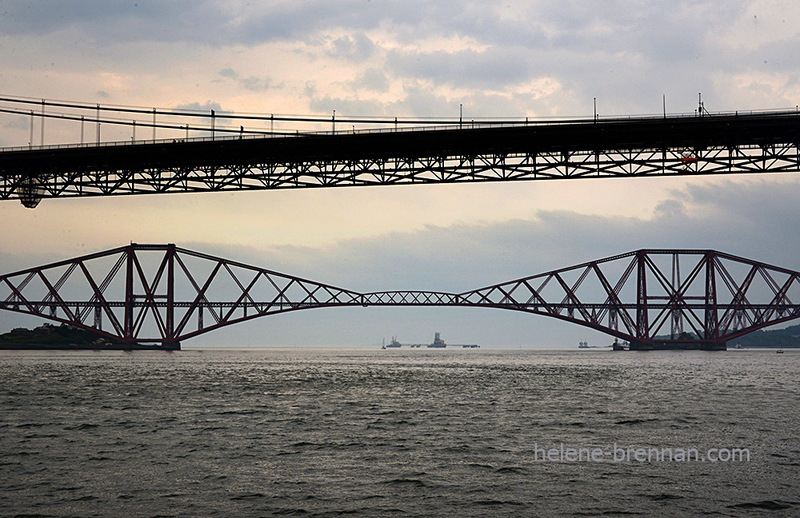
(165, 294)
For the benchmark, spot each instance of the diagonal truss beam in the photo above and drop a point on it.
(163, 293)
(735, 143)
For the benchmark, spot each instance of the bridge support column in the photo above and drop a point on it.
(128, 316)
(170, 310)
(171, 345)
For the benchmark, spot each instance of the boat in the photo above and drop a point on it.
(437, 341)
(619, 346)
(779, 351)
(393, 344)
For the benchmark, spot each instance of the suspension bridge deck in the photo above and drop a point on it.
(618, 147)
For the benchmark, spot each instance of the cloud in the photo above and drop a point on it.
(625, 54)
(670, 209)
(465, 68)
(229, 72)
(355, 47)
(209, 22)
(373, 79)
(201, 107)
(252, 83)
(256, 84)
(124, 20)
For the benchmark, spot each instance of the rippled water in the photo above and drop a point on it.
(393, 433)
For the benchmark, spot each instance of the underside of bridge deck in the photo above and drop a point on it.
(623, 147)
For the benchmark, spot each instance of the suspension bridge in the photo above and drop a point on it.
(164, 294)
(180, 151)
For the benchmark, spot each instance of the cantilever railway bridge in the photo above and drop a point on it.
(165, 294)
(487, 151)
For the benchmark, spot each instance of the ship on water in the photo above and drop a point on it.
(393, 344)
(438, 343)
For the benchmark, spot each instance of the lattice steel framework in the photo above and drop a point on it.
(641, 296)
(720, 144)
(165, 294)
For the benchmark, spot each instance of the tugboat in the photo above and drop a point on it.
(393, 344)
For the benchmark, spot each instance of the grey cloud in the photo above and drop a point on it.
(491, 68)
(627, 54)
(354, 47)
(373, 79)
(256, 83)
(670, 208)
(229, 72)
(115, 18)
(219, 21)
(577, 26)
(198, 107)
(348, 107)
(421, 102)
(212, 22)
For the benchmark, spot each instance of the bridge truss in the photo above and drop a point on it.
(632, 147)
(165, 294)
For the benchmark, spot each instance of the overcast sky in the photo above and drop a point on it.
(410, 58)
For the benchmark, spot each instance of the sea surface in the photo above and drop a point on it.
(456, 433)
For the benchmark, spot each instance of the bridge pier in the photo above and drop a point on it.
(166, 345)
(678, 346)
(171, 345)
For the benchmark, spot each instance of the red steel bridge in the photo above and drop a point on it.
(164, 294)
(209, 156)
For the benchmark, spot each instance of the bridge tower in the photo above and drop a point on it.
(151, 295)
(710, 338)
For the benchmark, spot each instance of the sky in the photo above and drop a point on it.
(409, 59)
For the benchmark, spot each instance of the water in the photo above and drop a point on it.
(394, 433)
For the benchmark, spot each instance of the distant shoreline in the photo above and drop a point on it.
(49, 337)
(81, 347)
(64, 337)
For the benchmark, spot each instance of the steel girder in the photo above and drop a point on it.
(725, 144)
(165, 294)
(401, 171)
(641, 296)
